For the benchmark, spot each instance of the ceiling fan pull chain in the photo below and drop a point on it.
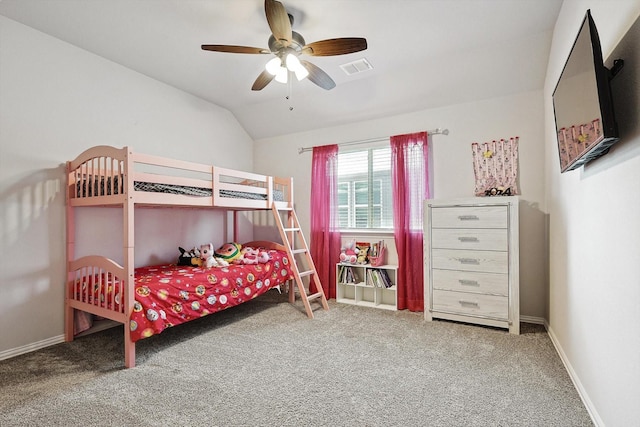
(289, 90)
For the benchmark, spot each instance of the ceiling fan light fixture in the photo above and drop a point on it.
(273, 66)
(282, 75)
(301, 73)
(293, 64)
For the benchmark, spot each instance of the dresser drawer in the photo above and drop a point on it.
(470, 281)
(484, 261)
(469, 217)
(457, 238)
(471, 304)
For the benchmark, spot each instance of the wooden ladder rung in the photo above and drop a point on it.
(298, 251)
(307, 273)
(291, 229)
(314, 296)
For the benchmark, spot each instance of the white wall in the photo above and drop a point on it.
(516, 115)
(594, 228)
(55, 101)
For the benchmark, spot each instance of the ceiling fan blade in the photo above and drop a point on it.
(278, 20)
(263, 79)
(234, 49)
(317, 76)
(331, 47)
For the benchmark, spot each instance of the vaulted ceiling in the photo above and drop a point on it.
(424, 53)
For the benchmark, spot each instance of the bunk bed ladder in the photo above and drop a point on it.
(296, 245)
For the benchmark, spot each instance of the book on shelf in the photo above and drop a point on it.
(380, 278)
(386, 279)
(372, 279)
(346, 274)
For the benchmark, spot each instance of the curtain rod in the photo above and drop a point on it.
(437, 131)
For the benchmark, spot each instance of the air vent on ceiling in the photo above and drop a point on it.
(356, 66)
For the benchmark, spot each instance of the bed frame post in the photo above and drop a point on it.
(236, 231)
(128, 253)
(291, 192)
(70, 253)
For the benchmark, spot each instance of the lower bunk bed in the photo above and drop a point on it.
(164, 296)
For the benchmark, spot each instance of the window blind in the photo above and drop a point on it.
(364, 189)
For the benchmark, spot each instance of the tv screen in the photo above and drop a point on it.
(585, 123)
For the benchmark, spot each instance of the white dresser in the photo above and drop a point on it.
(472, 262)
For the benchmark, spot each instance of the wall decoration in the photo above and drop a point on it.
(495, 165)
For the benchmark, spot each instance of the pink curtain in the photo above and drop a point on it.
(325, 235)
(409, 163)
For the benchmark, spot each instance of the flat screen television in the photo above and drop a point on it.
(585, 121)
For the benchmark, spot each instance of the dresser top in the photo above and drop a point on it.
(475, 201)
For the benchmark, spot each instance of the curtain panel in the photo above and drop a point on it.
(410, 175)
(325, 234)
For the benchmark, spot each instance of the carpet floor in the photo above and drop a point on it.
(265, 363)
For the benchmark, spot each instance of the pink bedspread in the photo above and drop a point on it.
(168, 295)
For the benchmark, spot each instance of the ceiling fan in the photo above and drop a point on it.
(287, 46)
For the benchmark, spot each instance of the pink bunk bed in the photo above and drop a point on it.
(147, 300)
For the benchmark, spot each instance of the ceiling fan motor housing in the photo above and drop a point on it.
(297, 43)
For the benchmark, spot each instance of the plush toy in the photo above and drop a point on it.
(249, 255)
(363, 252)
(229, 252)
(189, 258)
(263, 256)
(349, 253)
(208, 257)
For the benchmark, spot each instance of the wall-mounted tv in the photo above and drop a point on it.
(585, 122)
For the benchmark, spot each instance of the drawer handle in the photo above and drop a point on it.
(464, 282)
(473, 261)
(468, 217)
(468, 239)
(468, 303)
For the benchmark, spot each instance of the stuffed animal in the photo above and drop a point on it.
(249, 255)
(229, 252)
(189, 258)
(349, 253)
(363, 252)
(207, 255)
(263, 256)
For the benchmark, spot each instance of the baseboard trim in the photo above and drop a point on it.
(593, 413)
(13, 352)
(532, 319)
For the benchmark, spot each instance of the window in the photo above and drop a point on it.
(364, 189)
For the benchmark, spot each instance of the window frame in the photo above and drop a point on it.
(370, 178)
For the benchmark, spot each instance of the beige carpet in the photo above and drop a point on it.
(264, 363)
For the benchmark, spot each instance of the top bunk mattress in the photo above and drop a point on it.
(90, 187)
